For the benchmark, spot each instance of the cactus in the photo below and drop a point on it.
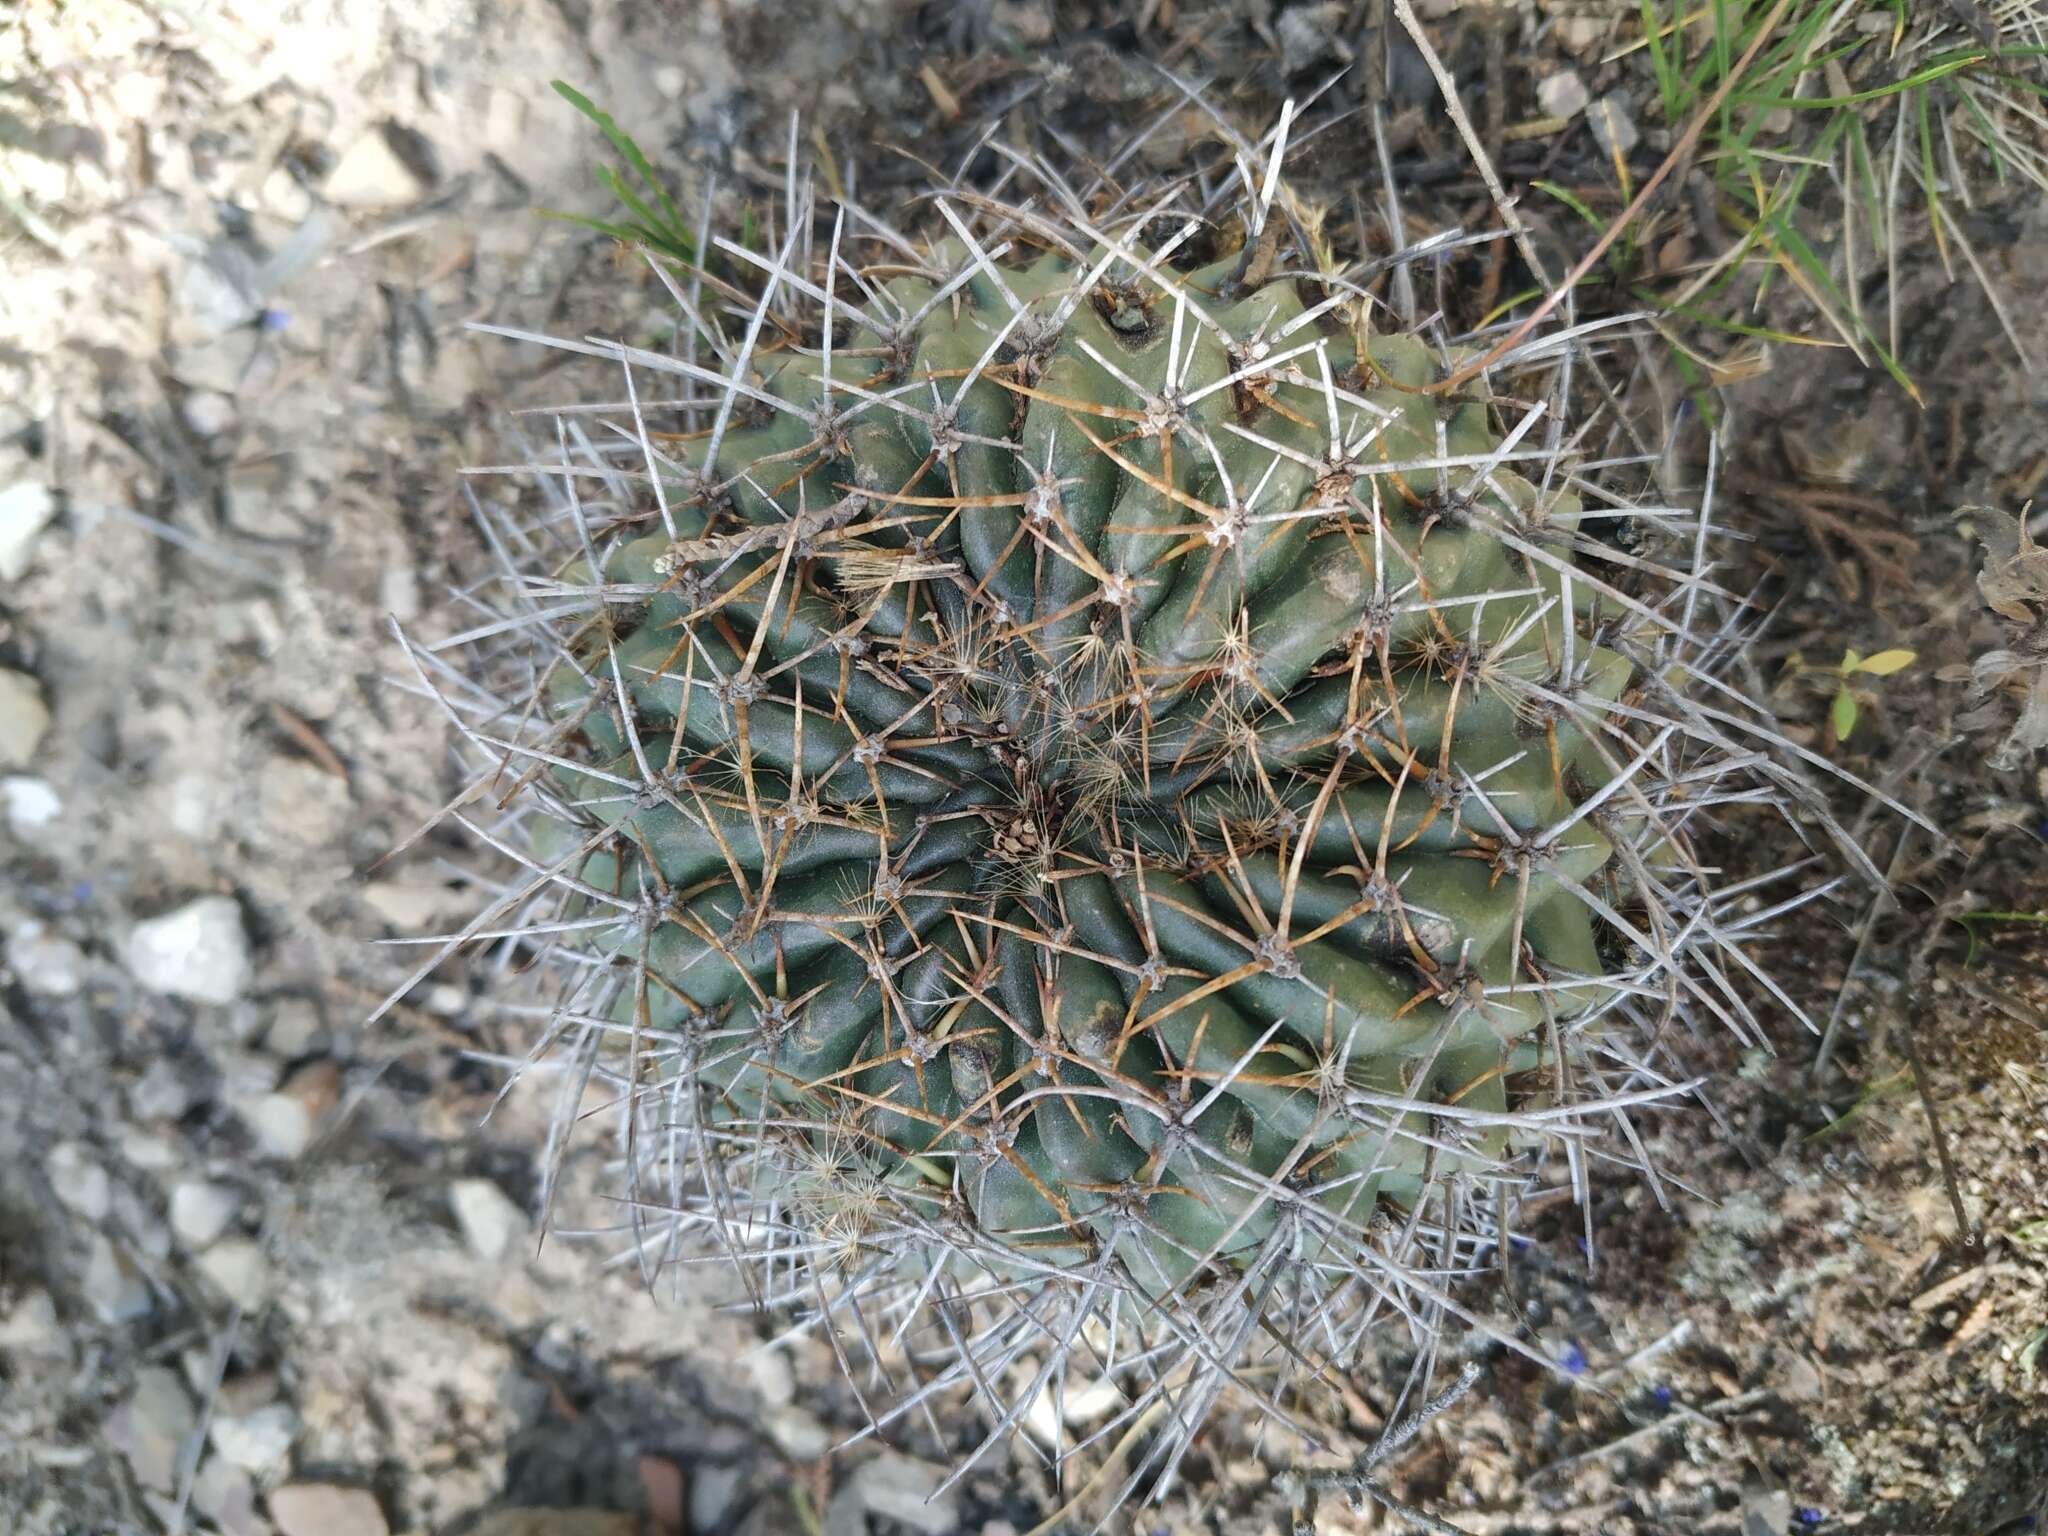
(1101, 807)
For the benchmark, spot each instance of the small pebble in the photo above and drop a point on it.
(900, 1488)
(286, 1122)
(26, 508)
(24, 718)
(44, 962)
(113, 1287)
(798, 1433)
(161, 1093)
(715, 1490)
(239, 1269)
(489, 1221)
(323, 1509)
(296, 1030)
(201, 1211)
(209, 413)
(33, 1331)
(199, 952)
(80, 1181)
(151, 1426)
(223, 1495)
(1563, 94)
(31, 803)
(371, 174)
(256, 1442)
(1613, 127)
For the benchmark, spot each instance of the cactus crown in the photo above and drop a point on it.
(1101, 823)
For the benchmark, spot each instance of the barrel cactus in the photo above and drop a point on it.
(1103, 806)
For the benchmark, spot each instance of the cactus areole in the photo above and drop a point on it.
(1098, 821)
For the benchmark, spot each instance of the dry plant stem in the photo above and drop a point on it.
(1679, 152)
(1918, 974)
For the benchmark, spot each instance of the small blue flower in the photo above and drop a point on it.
(1573, 1359)
(274, 320)
(1807, 1515)
(1662, 1393)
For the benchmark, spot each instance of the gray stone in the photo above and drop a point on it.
(151, 1427)
(372, 174)
(239, 1269)
(899, 1488)
(25, 510)
(223, 1496)
(201, 1211)
(113, 1286)
(769, 1372)
(45, 963)
(256, 1442)
(80, 1180)
(30, 803)
(24, 718)
(296, 1030)
(491, 1224)
(1614, 128)
(1563, 94)
(161, 1093)
(715, 1492)
(798, 1433)
(1766, 1514)
(325, 1509)
(198, 952)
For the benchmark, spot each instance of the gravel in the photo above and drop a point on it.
(25, 510)
(324, 1509)
(490, 1223)
(201, 1211)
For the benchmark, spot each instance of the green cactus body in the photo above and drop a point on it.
(1096, 771)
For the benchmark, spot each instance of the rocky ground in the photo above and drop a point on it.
(263, 1269)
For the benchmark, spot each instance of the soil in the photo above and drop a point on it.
(249, 1244)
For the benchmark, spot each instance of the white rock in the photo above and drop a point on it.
(24, 718)
(81, 1183)
(670, 81)
(1563, 94)
(31, 803)
(256, 1442)
(33, 1331)
(209, 413)
(490, 1222)
(370, 174)
(1613, 127)
(239, 1269)
(113, 1287)
(283, 196)
(44, 962)
(201, 1211)
(282, 1124)
(26, 508)
(323, 1509)
(199, 951)
(151, 1427)
(504, 122)
(161, 1093)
